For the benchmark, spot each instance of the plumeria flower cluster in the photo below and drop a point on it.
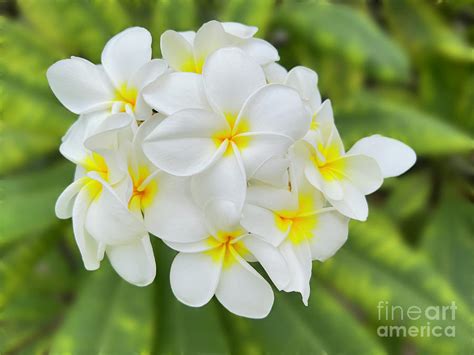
(221, 153)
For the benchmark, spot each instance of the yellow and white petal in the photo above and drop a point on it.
(209, 38)
(224, 180)
(177, 51)
(148, 73)
(262, 51)
(363, 172)
(80, 85)
(239, 30)
(243, 291)
(274, 172)
(257, 148)
(275, 73)
(194, 277)
(276, 109)
(298, 259)
(265, 224)
(331, 188)
(176, 91)
(134, 261)
(329, 234)
(230, 77)
(125, 53)
(65, 202)
(108, 218)
(88, 246)
(184, 144)
(353, 205)
(171, 213)
(393, 157)
(271, 259)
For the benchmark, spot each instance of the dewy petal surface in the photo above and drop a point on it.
(80, 85)
(230, 77)
(194, 277)
(125, 53)
(184, 143)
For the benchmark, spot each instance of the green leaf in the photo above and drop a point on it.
(426, 134)
(252, 13)
(181, 328)
(27, 207)
(345, 32)
(421, 28)
(178, 15)
(109, 317)
(375, 266)
(448, 242)
(292, 328)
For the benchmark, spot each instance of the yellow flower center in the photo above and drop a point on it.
(328, 161)
(95, 162)
(142, 194)
(224, 246)
(234, 134)
(126, 95)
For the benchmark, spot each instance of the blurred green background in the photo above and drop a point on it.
(402, 68)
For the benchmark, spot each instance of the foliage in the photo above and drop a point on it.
(402, 68)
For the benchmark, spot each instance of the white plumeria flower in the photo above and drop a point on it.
(218, 265)
(116, 85)
(223, 125)
(98, 202)
(188, 51)
(346, 178)
(300, 222)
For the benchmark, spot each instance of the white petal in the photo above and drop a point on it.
(223, 180)
(325, 115)
(275, 73)
(230, 77)
(183, 144)
(125, 53)
(222, 215)
(260, 147)
(194, 277)
(263, 223)
(305, 81)
(239, 30)
(393, 157)
(109, 220)
(272, 198)
(271, 259)
(172, 215)
(177, 51)
(210, 37)
(72, 146)
(262, 51)
(134, 261)
(332, 189)
(176, 91)
(243, 291)
(363, 172)
(330, 235)
(276, 108)
(80, 85)
(148, 73)
(188, 36)
(274, 172)
(194, 247)
(298, 258)
(353, 205)
(87, 245)
(64, 204)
